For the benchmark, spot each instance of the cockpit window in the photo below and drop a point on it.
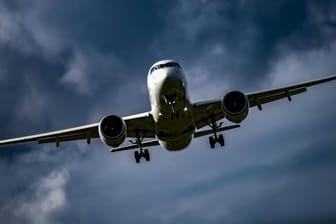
(169, 64)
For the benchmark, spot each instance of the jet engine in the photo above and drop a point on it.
(235, 106)
(112, 130)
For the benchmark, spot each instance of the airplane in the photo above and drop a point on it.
(173, 120)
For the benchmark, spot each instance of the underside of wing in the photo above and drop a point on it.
(206, 111)
(136, 146)
(210, 131)
(139, 125)
(81, 132)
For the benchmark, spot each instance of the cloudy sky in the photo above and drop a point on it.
(67, 63)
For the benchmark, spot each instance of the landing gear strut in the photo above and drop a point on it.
(215, 138)
(142, 152)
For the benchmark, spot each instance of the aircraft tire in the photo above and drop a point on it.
(212, 142)
(137, 157)
(147, 156)
(221, 140)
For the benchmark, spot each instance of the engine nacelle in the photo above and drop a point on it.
(235, 106)
(112, 130)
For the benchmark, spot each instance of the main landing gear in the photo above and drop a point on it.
(215, 138)
(142, 152)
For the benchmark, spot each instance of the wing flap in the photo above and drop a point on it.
(210, 131)
(135, 146)
(63, 138)
(55, 136)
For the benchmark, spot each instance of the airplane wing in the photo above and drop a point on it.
(207, 110)
(143, 125)
(267, 96)
(139, 123)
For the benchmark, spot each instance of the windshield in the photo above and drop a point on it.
(166, 65)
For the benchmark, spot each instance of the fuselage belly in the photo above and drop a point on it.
(171, 108)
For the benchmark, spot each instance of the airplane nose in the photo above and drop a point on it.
(173, 75)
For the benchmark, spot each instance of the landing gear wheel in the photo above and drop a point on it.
(137, 157)
(212, 142)
(146, 155)
(221, 140)
(142, 153)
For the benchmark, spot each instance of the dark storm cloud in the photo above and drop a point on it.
(122, 27)
(69, 63)
(45, 75)
(40, 88)
(242, 39)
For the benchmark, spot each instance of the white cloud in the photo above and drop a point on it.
(49, 197)
(40, 201)
(90, 69)
(77, 74)
(32, 104)
(27, 30)
(203, 84)
(14, 33)
(298, 67)
(51, 40)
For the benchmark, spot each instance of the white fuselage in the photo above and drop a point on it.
(171, 108)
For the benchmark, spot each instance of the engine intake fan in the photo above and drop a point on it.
(235, 106)
(112, 130)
